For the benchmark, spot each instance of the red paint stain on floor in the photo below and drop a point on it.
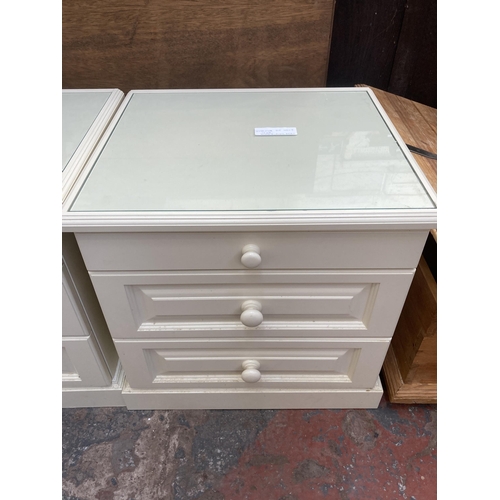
(339, 454)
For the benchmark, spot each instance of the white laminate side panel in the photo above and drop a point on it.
(283, 363)
(283, 250)
(79, 293)
(166, 304)
(74, 319)
(232, 399)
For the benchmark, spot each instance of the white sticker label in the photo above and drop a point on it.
(276, 131)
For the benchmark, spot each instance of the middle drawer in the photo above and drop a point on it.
(175, 304)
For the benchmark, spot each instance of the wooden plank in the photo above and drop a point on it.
(364, 42)
(422, 133)
(398, 392)
(141, 44)
(418, 318)
(429, 114)
(410, 368)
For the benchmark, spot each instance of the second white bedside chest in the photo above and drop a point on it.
(91, 371)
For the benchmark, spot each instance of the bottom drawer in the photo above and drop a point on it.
(83, 364)
(252, 364)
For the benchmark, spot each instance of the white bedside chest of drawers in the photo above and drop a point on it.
(251, 248)
(91, 372)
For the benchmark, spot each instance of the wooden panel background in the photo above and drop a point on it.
(387, 44)
(414, 72)
(148, 44)
(364, 42)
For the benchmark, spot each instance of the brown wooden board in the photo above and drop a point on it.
(410, 367)
(144, 44)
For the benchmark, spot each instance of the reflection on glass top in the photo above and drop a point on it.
(79, 110)
(199, 151)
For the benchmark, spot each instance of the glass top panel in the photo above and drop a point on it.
(79, 110)
(199, 151)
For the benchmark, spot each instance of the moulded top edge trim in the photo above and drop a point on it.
(226, 221)
(251, 90)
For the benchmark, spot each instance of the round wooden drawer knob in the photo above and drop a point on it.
(250, 372)
(251, 256)
(251, 315)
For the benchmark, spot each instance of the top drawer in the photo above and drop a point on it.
(278, 250)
